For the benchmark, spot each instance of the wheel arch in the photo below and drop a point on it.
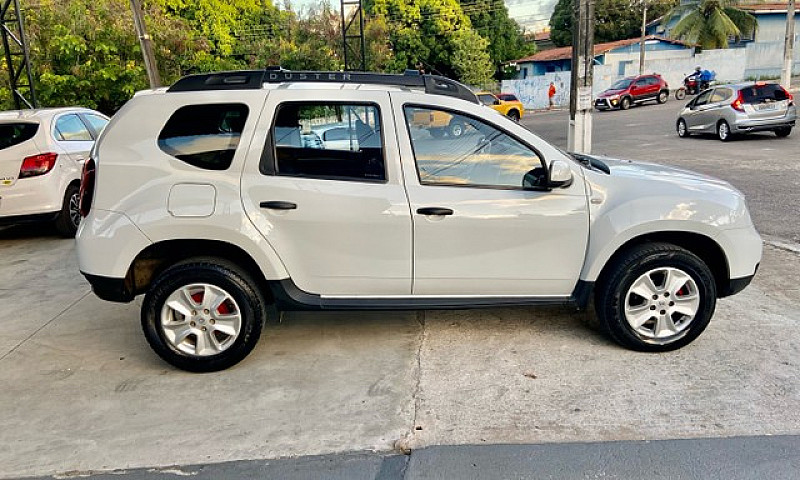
(706, 248)
(159, 256)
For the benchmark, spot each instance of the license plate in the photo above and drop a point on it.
(765, 106)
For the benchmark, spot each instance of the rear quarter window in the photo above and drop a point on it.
(15, 133)
(204, 136)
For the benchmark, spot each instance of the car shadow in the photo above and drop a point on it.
(29, 230)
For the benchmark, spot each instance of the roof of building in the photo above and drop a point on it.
(772, 7)
(541, 36)
(564, 53)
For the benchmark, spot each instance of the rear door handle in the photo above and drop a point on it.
(278, 205)
(434, 211)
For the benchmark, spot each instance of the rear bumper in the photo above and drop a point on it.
(754, 126)
(32, 196)
(110, 289)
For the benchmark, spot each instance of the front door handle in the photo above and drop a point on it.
(434, 211)
(278, 205)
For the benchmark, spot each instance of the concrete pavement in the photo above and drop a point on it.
(83, 392)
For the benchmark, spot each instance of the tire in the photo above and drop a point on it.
(724, 131)
(625, 103)
(663, 96)
(200, 278)
(666, 328)
(513, 115)
(455, 129)
(680, 94)
(783, 132)
(70, 215)
(682, 128)
(436, 132)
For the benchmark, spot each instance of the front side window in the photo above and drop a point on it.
(703, 98)
(204, 136)
(70, 128)
(480, 155)
(97, 122)
(328, 141)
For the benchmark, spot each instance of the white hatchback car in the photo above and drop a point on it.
(41, 156)
(216, 208)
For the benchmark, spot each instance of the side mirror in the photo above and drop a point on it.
(497, 101)
(560, 175)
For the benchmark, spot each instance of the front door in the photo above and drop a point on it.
(333, 207)
(477, 231)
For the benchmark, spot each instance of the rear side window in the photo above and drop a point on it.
(204, 136)
(15, 133)
(507, 97)
(334, 141)
(763, 93)
(721, 94)
(70, 128)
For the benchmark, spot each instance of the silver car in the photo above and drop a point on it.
(727, 110)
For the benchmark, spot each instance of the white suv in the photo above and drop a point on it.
(41, 155)
(219, 206)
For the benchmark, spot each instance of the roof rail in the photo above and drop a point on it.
(254, 79)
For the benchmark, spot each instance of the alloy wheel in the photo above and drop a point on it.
(661, 304)
(201, 319)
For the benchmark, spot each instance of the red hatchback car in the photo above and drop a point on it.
(630, 90)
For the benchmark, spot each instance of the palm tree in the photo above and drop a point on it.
(710, 23)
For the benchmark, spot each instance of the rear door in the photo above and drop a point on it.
(17, 141)
(336, 213)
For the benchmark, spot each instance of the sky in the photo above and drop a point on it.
(533, 15)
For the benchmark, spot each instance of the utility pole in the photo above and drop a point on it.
(147, 45)
(579, 136)
(642, 41)
(355, 56)
(788, 48)
(17, 54)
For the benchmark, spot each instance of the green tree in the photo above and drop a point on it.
(614, 19)
(506, 38)
(710, 23)
(435, 34)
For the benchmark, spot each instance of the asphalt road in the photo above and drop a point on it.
(764, 167)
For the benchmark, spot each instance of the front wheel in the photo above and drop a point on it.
(656, 297)
(724, 131)
(783, 132)
(625, 103)
(663, 95)
(683, 130)
(680, 94)
(203, 315)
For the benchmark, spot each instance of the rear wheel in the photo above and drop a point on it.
(513, 115)
(625, 103)
(656, 297)
(683, 130)
(662, 96)
(783, 132)
(724, 131)
(70, 215)
(203, 315)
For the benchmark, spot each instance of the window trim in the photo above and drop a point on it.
(248, 110)
(56, 133)
(494, 125)
(268, 163)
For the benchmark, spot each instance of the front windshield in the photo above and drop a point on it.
(621, 84)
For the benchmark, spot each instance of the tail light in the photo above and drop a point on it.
(36, 165)
(738, 104)
(789, 96)
(87, 186)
